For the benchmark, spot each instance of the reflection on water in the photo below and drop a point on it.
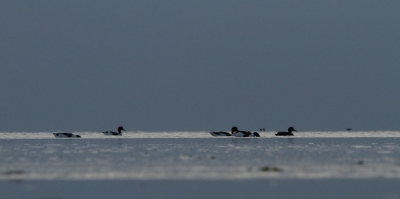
(290, 140)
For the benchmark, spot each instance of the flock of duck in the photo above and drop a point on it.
(234, 132)
(70, 135)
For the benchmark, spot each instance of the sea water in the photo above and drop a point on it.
(198, 155)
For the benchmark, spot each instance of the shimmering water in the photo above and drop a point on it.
(198, 155)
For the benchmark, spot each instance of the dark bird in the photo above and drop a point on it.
(120, 128)
(288, 133)
(237, 133)
(220, 133)
(66, 135)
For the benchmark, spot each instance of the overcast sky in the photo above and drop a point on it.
(184, 65)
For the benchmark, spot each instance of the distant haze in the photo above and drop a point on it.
(199, 65)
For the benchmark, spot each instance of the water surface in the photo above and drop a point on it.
(197, 155)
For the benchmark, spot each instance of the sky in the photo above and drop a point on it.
(185, 65)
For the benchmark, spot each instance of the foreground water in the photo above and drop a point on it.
(198, 155)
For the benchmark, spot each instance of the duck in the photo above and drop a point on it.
(220, 133)
(120, 128)
(237, 133)
(66, 135)
(288, 133)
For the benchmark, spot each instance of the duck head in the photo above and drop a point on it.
(290, 129)
(120, 128)
(234, 129)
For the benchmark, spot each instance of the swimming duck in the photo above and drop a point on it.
(237, 133)
(66, 135)
(221, 133)
(120, 128)
(288, 133)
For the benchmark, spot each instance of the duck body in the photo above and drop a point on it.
(288, 133)
(120, 128)
(237, 133)
(66, 135)
(284, 134)
(220, 133)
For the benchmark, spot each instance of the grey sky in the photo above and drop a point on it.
(199, 65)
